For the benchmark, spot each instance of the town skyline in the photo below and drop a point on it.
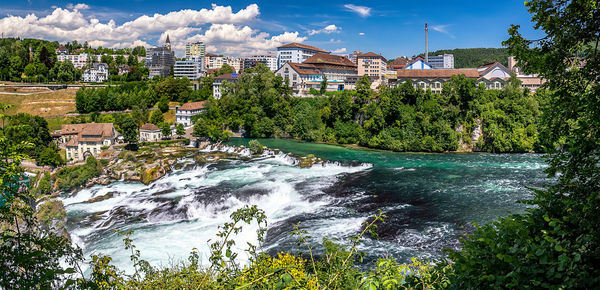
(244, 28)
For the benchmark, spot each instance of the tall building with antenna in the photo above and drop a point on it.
(426, 49)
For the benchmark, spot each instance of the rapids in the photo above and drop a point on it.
(430, 200)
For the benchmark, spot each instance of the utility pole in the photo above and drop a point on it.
(426, 51)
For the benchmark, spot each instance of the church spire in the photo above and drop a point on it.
(168, 41)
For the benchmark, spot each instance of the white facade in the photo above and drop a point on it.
(216, 62)
(184, 114)
(78, 60)
(418, 64)
(96, 74)
(190, 69)
(269, 60)
(295, 52)
(442, 61)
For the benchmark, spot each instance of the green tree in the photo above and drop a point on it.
(129, 129)
(156, 117)
(165, 129)
(179, 130)
(163, 104)
(30, 70)
(556, 244)
(323, 88)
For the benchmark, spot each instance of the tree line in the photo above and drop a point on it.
(402, 118)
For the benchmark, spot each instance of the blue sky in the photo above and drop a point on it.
(392, 28)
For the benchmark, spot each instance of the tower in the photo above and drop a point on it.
(426, 51)
(168, 42)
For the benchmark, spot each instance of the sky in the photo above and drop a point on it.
(244, 28)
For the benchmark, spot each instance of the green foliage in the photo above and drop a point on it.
(70, 177)
(475, 57)
(174, 89)
(32, 256)
(165, 129)
(33, 129)
(129, 128)
(114, 98)
(49, 156)
(323, 87)
(156, 117)
(556, 243)
(179, 130)
(255, 147)
(224, 69)
(163, 104)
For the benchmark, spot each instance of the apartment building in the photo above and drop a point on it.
(78, 60)
(372, 65)
(269, 61)
(193, 69)
(96, 74)
(196, 49)
(296, 53)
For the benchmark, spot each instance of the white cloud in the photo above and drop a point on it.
(361, 33)
(363, 11)
(80, 6)
(339, 50)
(326, 30)
(443, 29)
(228, 31)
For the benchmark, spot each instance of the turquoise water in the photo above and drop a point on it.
(431, 200)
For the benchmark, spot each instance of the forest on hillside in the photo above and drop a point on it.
(475, 57)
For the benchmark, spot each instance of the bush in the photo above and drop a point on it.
(71, 177)
(255, 147)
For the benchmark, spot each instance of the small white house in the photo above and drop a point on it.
(96, 74)
(150, 132)
(184, 114)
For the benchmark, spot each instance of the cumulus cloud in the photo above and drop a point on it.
(363, 11)
(80, 6)
(326, 30)
(339, 50)
(226, 28)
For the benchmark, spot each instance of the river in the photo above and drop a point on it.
(430, 201)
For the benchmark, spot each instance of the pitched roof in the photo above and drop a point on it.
(70, 129)
(371, 54)
(330, 59)
(400, 61)
(304, 69)
(72, 142)
(300, 45)
(97, 129)
(437, 73)
(230, 76)
(192, 106)
(89, 132)
(484, 69)
(149, 127)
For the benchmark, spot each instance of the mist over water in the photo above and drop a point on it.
(430, 199)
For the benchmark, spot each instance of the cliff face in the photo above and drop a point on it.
(467, 141)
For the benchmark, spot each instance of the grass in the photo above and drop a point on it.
(44, 103)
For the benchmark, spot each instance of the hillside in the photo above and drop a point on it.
(474, 57)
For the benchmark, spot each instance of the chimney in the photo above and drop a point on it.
(426, 51)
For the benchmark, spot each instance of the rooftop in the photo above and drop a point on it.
(437, 73)
(300, 45)
(192, 106)
(230, 76)
(330, 59)
(149, 127)
(371, 54)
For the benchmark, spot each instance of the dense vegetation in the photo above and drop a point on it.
(400, 119)
(555, 244)
(68, 178)
(33, 130)
(475, 57)
(19, 63)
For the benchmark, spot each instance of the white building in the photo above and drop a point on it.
(217, 61)
(84, 140)
(442, 61)
(150, 132)
(296, 52)
(232, 77)
(184, 114)
(268, 60)
(78, 60)
(96, 74)
(191, 69)
(341, 73)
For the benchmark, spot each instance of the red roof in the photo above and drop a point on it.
(371, 54)
(192, 106)
(300, 45)
(330, 59)
(304, 69)
(149, 127)
(231, 76)
(437, 73)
